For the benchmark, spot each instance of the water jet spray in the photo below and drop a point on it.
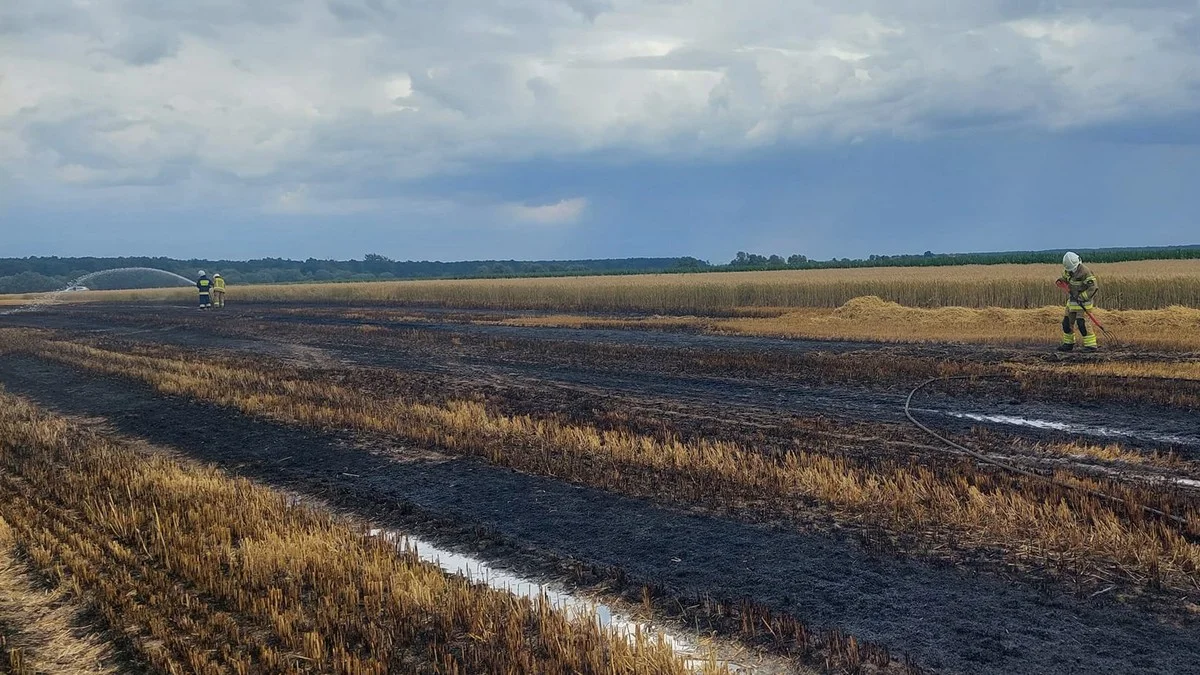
(54, 297)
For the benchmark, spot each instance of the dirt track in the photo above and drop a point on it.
(949, 619)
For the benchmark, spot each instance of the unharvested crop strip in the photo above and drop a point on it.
(1132, 285)
(1033, 521)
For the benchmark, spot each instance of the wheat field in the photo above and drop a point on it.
(1147, 284)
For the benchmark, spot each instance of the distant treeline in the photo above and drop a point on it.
(31, 275)
(752, 261)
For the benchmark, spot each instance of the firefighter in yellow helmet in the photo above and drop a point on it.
(1079, 281)
(218, 291)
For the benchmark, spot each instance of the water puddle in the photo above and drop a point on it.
(698, 652)
(1086, 430)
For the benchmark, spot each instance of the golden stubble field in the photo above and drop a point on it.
(112, 557)
(872, 318)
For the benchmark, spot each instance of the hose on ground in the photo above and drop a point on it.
(1016, 469)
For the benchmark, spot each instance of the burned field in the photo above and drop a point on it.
(770, 490)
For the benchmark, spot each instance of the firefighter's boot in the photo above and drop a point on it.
(1068, 343)
(1089, 343)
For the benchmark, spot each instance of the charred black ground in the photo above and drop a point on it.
(737, 377)
(948, 619)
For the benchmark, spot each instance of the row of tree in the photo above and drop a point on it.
(753, 261)
(38, 274)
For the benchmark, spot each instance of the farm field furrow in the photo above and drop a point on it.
(790, 410)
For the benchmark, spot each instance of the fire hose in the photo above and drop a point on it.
(1016, 469)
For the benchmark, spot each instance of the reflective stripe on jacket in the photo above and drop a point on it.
(1082, 282)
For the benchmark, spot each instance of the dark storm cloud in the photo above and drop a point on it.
(357, 109)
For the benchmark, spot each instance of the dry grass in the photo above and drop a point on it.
(1182, 370)
(1028, 519)
(1129, 285)
(192, 571)
(41, 630)
(1110, 453)
(872, 318)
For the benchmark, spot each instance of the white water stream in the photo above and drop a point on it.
(1086, 430)
(54, 297)
(696, 650)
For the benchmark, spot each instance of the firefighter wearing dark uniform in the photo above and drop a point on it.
(1081, 284)
(204, 285)
(218, 291)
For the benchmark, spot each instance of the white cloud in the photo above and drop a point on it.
(340, 93)
(563, 212)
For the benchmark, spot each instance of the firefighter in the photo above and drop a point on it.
(204, 285)
(1079, 281)
(218, 291)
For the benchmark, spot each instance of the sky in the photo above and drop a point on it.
(558, 129)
